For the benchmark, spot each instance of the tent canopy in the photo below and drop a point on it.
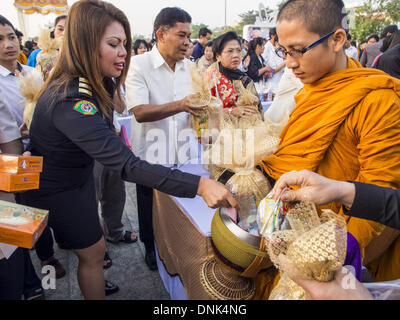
(41, 6)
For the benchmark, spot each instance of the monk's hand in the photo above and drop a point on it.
(313, 188)
(188, 105)
(216, 195)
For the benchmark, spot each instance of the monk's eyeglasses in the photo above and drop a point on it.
(298, 53)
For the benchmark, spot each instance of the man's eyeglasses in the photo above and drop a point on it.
(298, 53)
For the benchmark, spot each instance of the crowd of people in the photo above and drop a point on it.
(344, 124)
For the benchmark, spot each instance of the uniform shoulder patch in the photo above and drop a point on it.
(86, 108)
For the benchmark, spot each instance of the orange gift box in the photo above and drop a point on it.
(17, 164)
(20, 225)
(19, 182)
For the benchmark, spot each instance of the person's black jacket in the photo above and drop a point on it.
(377, 204)
(389, 62)
(254, 66)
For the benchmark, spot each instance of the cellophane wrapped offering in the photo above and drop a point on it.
(202, 98)
(47, 58)
(248, 98)
(249, 187)
(271, 215)
(240, 146)
(30, 84)
(314, 248)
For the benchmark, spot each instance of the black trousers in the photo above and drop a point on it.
(12, 276)
(145, 213)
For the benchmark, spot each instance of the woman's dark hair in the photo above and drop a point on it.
(254, 43)
(4, 21)
(137, 44)
(204, 31)
(59, 18)
(220, 42)
(169, 17)
(209, 44)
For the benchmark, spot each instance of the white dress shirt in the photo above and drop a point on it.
(273, 61)
(268, 49)
(8, 126)
(9, 85)
(352, 52)
(151, 81)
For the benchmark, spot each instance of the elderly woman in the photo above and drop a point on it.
(228, 52)
(207, 59)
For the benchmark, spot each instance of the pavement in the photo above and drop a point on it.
(129, 271)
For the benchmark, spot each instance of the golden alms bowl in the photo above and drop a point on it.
(236, 249)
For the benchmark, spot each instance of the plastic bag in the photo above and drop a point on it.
(384, 290)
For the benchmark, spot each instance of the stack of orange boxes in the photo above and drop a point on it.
(20, 225)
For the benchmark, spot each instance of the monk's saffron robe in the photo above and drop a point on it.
(346, 126)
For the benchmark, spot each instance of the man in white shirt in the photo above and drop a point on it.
(270, 45)
(157, 91)
(9, 66)
(350, 51)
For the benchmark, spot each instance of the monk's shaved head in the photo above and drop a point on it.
(319, 16)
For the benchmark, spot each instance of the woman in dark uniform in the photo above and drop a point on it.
(72, 127)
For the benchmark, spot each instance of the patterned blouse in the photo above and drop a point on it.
(226, 90)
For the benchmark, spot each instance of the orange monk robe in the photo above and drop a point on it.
(22, 59)
(346, 126)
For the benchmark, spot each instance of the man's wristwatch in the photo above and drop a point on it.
(230, 110)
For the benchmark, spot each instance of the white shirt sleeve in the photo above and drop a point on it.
(8, 125)
(137, 91)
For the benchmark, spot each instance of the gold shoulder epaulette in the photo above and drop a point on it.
(85, 87)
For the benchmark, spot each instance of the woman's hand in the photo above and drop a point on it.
(244, 111)
(314, 188)
(344, 287)
(246, 62)
(216, 195)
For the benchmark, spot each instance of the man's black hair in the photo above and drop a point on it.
(220, 42)
(4, 21)
(203, 32)
(319, 16)
(19, 33)
(169, 17)
(375, 36)
(272, 32)
(29, 45)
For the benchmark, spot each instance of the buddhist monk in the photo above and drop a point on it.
(345, 126)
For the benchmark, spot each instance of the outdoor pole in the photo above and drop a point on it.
(225, 14)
